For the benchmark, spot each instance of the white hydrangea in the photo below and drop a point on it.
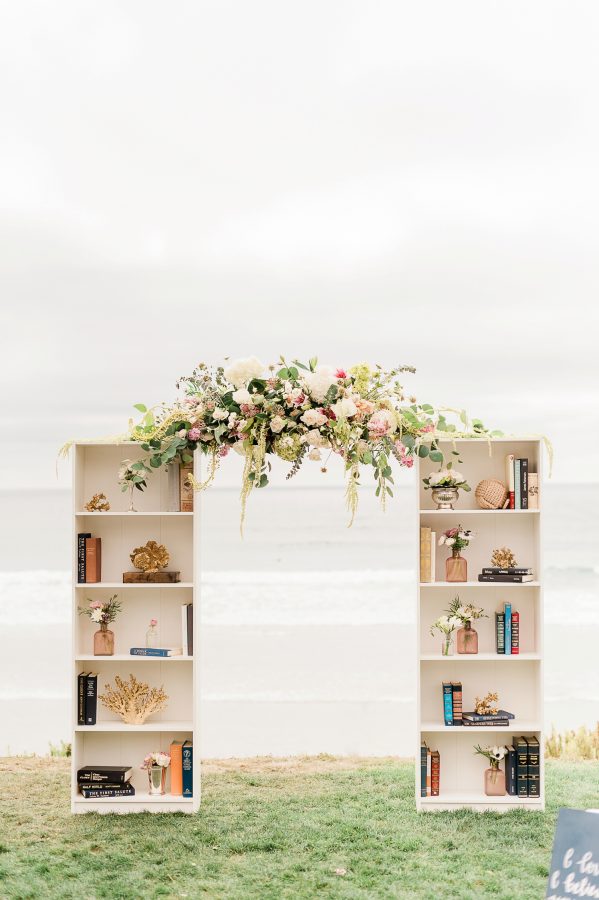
(241, 371)
(345, 408)
(313, 418)
(219, 414)
(242, 396)
(318, 382)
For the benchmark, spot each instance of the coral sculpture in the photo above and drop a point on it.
(133, 700)
(503, 558)
(150, 558)
(98, 503)
(488, 706)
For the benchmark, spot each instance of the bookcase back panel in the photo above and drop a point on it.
(492, 532)
(122, 534)
(98, 467)
(525, 600)
(175, 678)
(462, 770)
(124, 749)
(138, 607)
(518, 686)
(477, 465)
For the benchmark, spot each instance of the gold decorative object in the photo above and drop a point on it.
(488, 706)
(503, 558)
(133, 700)
(150, 558)
(98, 503)
(491, 494)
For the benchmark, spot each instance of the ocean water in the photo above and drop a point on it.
(307, 627)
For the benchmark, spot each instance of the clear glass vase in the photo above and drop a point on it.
(131, 489)
(447, 645)
(494, 782)
(104, 642)
(456, 567)
(156, 779)
(467, 639)
(152, 636)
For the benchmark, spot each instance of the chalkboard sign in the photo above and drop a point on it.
(575, 859)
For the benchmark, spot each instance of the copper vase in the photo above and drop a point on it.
(494, 782)
(104, 642)
(467, 639)
(456, 567)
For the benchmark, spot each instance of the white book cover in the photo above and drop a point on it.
(533, 490)
(509, 472)
(184, 629)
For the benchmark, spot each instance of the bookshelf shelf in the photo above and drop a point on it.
(518, 678)
(111, 742)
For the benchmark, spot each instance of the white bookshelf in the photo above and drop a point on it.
(110, 741)
(517, 678)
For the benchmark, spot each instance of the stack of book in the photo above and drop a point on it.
(156, 651)
(89, 559)
(182, 768)
(430, 771)
(452, 702)
(513, 575)
(507, 630)
(105, 781)
(522, 485)
(499, 719)
(523, 768)
(87, 698)
(428, 544)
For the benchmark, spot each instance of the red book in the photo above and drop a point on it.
(435, 773)
(515, 631)
(93, 560)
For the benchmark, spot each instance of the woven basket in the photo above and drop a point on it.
(491, 494)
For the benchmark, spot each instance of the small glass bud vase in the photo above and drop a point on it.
(467, 639)
(152, 636)
(104, 642)
(156, 779)
(494, 782)
(456, 567)
(447, 645)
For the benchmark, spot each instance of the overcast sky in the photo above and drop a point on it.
(387, 181)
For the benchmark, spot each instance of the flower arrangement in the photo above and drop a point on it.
(133, 475)
(133, 700)
(493, 754)
(456, 538)
(465, 613)
(447, 477)
(295, 411)
(446, 625)
(156, 758)
(102, 612)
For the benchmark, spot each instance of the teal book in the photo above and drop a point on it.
(447, 703)
(507, 628)
(187, 769)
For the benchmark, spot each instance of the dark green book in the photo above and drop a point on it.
(522, 766)
(534, 767)
(423, 763)
(500, 632)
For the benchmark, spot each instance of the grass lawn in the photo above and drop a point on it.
(296, 828)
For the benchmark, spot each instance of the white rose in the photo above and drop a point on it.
(314, 454)
(315, 439)
(450, 541)
(239, 448)
(277, 424)
(96, 615)
(241, 371)
(242, 396)
(457, 476)
(318, 382)
(220, 414)
(434, 478)
(345, 408)
(383, 418)
(313, 418)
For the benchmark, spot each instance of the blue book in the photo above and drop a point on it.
(508, 627)
(155, 651)
(423, 763)
(447, 703)
(188, 769)
(517, 484)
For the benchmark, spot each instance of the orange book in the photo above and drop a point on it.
(93, 560)
(177, 768)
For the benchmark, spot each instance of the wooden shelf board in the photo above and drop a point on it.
(147, 726)
(143, 585)
(456, 513)
(469, 796)
(139, 797)
(128, 657)
(130, 515)
(473, 657)
(483, 584)
(516, 726)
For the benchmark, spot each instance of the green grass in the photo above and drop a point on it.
(272, 829)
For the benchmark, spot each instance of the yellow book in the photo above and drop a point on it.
(425, 555)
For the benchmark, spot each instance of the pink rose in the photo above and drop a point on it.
(96, 604)
(341, 373)
(223, 450)
(153, 622)
(194, 434)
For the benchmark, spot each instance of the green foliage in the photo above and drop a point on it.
(279, 830)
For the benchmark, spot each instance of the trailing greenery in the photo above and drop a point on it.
(278, 830)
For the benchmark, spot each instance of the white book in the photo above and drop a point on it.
(184, 629)
(533, 490)
(433, 556)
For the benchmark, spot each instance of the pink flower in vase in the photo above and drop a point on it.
(153, 622)
(96, 604)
